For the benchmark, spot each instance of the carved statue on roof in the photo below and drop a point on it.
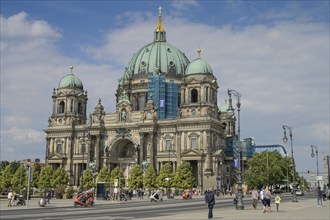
(124, 98)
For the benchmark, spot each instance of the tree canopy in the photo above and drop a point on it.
(183, 178)
(164, 174)
(45, 178)
(117, 174)
(150, 178)
(266, 168)
(135, 180)
(104, 175)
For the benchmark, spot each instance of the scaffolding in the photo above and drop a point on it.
(164, 95)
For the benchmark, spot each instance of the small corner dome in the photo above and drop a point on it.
(198, 66)
(224, 107)
(70, 81)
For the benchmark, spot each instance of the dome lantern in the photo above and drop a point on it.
(70, 81)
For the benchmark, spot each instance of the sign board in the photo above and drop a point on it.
(116, 182)
(115, 190)
(162, 103)
(319, 178)
(236, 163)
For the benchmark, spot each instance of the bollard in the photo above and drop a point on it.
(42, 202)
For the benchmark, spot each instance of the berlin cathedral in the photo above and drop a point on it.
(166, 111)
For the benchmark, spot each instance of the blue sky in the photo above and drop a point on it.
(275, 53)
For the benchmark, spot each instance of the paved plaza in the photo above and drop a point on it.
(304, 209)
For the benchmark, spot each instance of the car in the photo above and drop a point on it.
(299, 192)
(276, 191)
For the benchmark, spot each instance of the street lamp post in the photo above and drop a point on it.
(107, 151)
(239, 204)
(317, 162)
(294, 183)
(170, 150)
(83, 148)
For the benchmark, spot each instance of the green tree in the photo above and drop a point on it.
(19, 179)
(165, 175)
(150, 178)
(45, 178)
(35, 175)
(266, 168)
(135, 180)
(3, 165)
(117, 174)
(14, 165)
(60, 180)
(5, 181)
(183, 178)
(88, 180)
(104, 175)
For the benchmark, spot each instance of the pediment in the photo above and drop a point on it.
(192, 81)
(219, 153)
(191, 152)
(55, 157)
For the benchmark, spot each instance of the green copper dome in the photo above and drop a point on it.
(198, 66)
(224, 107)
(70, 81)
(158, 57)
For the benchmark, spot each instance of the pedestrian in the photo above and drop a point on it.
(277, 201)
(48, 197)
(319, 196)
(254, 196)
(262, 199)
(13, 198)
(210, 201)
(10, 195)
(267, 198)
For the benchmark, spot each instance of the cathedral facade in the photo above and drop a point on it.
(166, 111)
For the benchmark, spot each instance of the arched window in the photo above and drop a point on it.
(207, 94)
(194, 143)
(141, 101)
(80, 108)
(59, 148)
(62, 107)
(71, 106)
(194, 95)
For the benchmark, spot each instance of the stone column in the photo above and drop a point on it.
(208, 162)
(178, 147)
(152, 149)
(184, 140)
(142, 147)
(97, 153)
(200, 172)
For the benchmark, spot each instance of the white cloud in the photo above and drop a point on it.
(24, 135)
(282, 72)
(184, 5)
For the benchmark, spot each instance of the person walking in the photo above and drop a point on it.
(262, 199)
(277, 201)
(267, 197)
(210, 201)
(48, 197)
(319, 196)
(254, 196)
(13, 198)
(10, 195)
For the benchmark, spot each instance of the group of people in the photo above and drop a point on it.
(15, 198)
(265, 197)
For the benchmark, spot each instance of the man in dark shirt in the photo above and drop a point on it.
(319, 197)
(210, 201)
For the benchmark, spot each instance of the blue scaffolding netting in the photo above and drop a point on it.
(164, 95)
